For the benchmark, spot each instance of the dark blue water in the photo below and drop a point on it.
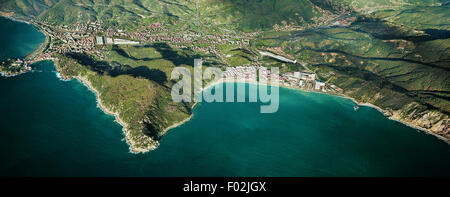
(49, 127)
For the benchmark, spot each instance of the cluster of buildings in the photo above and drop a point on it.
(40, 57)
(302, 80)
(21, 63)
(90, 26)
(197, 41)
(80, 38)
(241, 72)
(267, 75)
(11, 67)
(250, 73)
(84, 38)
(308, 81)
(76, 38)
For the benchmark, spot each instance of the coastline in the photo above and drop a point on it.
(390, 117)
(33, 53)
(384, 112)
(41, 46)
(207, 86)
(223, 80)
(181, 122)
(37, 50)
(13, 75)
(16, 19)
(86, 82)
(379, 109)
(131, 145)
(82, 80)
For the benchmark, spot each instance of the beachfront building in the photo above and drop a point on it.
(319, 85)
(338, 89)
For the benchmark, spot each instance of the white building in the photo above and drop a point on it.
(319, 85)
(122, 41)
(109, 41)
(307, 76)
(99, 40)
(278, 57)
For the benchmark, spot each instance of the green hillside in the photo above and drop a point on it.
(26, 7)
(391, 53)
(246, 15)
(398, 60)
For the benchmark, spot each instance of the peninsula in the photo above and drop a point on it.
(125, 51)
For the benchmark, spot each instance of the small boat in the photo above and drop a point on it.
(356, 107)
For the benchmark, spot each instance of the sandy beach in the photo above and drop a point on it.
(209, 85)
(131, 143)
(384, 112)
(133, 149)
(132, 146)
(223, 80)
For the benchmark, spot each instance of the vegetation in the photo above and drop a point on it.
(398, 67)
(135, 83)
(391, 53)
(26, 7)
(9, 67)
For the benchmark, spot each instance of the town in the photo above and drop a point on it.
(92, 38)
(12, 67)
(300, 80)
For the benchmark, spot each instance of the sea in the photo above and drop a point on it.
(51, 127)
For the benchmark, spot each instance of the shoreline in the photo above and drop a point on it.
(82, 80)
(221, 81)
(180, 123)
(207, 86)
(41, 46)
(13, 75)
(379, 109)
(382, 111)
(33, 53)
(116, 115)
(16, 19)
(86, 83)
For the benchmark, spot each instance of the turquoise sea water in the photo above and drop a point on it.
(17, 39)
(49, 127)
